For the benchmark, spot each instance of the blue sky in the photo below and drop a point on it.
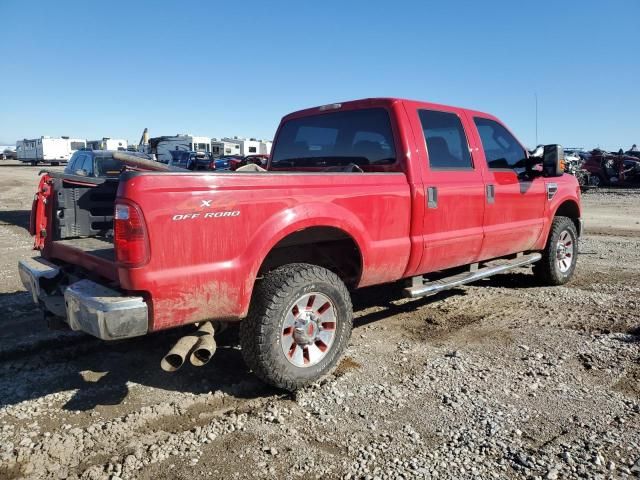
(91, 69)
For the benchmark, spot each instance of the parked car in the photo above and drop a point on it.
(237, 162)
(612, 169)
(97, 164)
(356, 194)
(228, 162)
(192, 160)
(9, 154)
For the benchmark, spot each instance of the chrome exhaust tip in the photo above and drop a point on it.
(173, 360)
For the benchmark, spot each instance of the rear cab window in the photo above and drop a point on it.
(325, 141)
(107, 166)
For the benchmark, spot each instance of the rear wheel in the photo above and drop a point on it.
(596, 180)
(560, 255)
(298, 326)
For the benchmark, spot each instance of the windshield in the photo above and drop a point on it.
(361, 137)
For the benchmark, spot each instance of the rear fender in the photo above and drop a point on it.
(298, 218)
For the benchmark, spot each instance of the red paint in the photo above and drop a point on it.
(208, 233)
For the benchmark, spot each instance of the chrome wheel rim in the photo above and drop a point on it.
(564, 251)
(308, 330)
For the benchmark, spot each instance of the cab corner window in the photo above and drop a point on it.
(446, 141)
(501, 149)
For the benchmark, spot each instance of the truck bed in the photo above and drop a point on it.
(98, 247)
(92, 253)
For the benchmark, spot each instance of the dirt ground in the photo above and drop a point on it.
(503, 379)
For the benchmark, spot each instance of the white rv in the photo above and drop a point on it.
(265, 147)
(53, 150)
(107, 144)
(245, 146)
(223, 147)
(162, 146)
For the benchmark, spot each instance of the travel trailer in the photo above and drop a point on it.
(107, 144)
(53, 150)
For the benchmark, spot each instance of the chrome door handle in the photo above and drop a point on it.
(491, 193)
(432, 197)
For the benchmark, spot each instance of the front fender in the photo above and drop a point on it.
(563, 199)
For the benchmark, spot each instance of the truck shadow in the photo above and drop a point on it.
(19, 218)
(36, 362)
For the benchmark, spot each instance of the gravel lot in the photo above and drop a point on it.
(503, 379)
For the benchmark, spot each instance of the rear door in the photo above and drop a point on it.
(515, 201)
(454, 189)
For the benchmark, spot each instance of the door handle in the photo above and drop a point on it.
(432, 197)
(491, 193)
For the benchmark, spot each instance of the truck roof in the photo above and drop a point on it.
(378, 102)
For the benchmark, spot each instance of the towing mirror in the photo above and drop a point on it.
(553, 161)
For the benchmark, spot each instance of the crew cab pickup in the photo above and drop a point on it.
(355, 194)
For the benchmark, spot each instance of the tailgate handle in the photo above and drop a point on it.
(491, 193)
(432, 197)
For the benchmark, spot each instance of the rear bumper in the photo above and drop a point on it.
(86, 305)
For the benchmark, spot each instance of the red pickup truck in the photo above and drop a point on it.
(355, 194)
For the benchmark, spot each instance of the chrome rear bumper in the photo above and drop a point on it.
(87, 306)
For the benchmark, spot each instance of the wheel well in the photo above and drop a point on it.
(571, 210)
(327, 247)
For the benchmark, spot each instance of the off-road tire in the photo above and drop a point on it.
(260, 332)
(546, 269)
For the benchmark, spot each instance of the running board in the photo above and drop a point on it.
(437, 286)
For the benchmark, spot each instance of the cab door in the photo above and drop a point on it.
(454, 189)
(515, 202)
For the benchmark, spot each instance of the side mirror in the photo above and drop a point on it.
(553, 161)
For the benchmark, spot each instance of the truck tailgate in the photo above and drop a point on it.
(94, 254)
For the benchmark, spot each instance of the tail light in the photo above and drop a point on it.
(130, 234)
(212, 165)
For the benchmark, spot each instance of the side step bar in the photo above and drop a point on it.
(437, 286)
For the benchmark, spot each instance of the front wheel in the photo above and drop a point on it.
(559, 257)
(298, 326)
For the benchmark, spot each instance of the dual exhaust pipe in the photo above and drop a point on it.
(199, 347)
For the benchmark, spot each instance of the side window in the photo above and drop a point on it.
(501, 149)
(446, 141)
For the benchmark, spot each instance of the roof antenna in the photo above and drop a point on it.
(536, 96)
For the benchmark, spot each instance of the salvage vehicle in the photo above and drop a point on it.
(612, 169)
(355, 194)
(574, 165)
